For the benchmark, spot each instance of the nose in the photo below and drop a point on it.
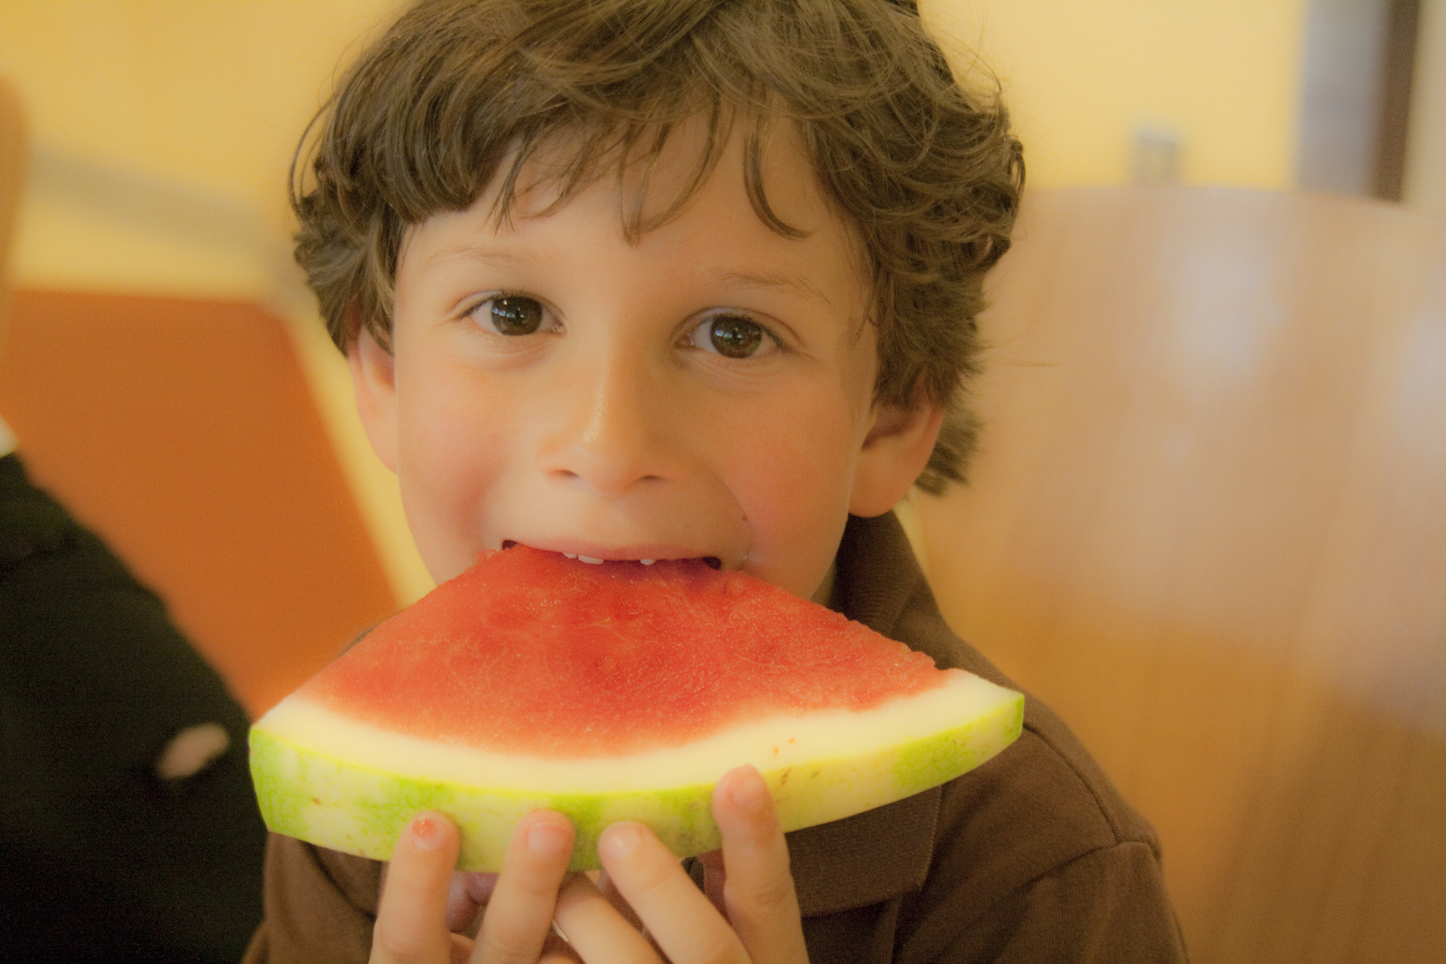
(611, 428)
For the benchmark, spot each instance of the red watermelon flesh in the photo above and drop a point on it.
(611, 691)
(610, 659)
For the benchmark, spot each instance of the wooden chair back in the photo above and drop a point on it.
(1208, 526)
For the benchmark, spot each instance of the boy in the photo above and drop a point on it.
(638, 279)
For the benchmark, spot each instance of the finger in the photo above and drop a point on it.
(519, 914)
(597, 930)
(758, 892)
(411, 923)
(620, 904)
(678, 917)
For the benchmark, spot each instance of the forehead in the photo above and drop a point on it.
(760, 161)
(688, 199)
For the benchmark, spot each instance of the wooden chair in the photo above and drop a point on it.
(1208, 526)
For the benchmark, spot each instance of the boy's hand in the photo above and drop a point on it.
(651, 911)
(751, 915)
(412, 919)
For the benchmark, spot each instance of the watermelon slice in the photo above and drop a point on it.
(609, 692)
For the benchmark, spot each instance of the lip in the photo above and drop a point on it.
(631, 553)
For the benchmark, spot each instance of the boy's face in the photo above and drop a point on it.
(705, 392)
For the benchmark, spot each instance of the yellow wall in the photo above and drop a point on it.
(202, 99)
(1082, 78)
(208, 98)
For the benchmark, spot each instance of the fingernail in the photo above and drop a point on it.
(748, 791)
(426, 833)
(620, 840)
(547, 840)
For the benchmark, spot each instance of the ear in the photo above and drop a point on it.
(373, 378)
(895, 451)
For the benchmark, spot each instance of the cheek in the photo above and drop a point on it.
(451, 442)
(796, 508)
(792, 470)
(796, 472)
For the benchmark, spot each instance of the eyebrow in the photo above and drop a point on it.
(776, 280)
(481, 253)
(755, 279)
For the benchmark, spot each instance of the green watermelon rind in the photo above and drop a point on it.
(362, 810)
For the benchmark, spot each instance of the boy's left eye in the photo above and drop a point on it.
(732, 336)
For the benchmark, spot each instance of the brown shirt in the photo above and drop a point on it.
(1033, 857)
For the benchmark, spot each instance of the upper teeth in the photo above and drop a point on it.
(596, 562)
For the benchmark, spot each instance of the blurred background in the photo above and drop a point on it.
(168, 378)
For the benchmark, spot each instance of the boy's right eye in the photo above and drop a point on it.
(510, 315)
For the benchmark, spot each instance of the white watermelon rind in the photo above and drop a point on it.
(317, 794)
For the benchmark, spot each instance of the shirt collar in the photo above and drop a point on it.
(875, 855)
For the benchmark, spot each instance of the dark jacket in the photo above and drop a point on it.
(101, 857)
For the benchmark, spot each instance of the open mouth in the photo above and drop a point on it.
(713, 562)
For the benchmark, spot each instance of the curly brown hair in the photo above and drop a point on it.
(430, 113)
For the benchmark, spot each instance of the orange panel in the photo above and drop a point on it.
(184, 433)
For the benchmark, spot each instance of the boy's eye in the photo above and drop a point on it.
(510, 314)
(731, 336)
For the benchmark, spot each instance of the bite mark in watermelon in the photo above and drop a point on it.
(611, 692)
